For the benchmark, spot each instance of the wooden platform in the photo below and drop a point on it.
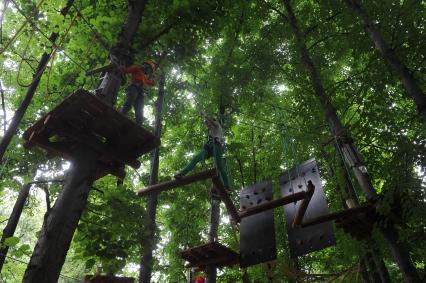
(210, 254)
(83, 119)
(357, 221)
(359, 225)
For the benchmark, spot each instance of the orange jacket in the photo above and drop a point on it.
(139, 76)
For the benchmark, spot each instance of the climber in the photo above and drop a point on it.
(199, 279)
(142, 77)
(213, 147)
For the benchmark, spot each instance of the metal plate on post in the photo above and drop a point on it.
(257, 232)
(313, 238)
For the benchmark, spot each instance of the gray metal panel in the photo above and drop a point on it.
(257, 232)
(305, 240)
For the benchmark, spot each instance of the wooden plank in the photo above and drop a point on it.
(226, 199)
(102, 69)
(298, 218)
(177, 182)
(210, 254)
(336, 215)
(273, 204)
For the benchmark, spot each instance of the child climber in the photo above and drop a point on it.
(213, 147)
(142, 77)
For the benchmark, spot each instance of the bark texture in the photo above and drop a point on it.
(148, 240)
(409, 82)
(61, 221)
(347, 146)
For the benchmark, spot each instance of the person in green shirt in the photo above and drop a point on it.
(212, 148)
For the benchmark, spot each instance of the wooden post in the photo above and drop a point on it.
(298, 218)
(226, 199)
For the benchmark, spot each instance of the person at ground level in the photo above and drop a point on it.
(142, 77)
(212, 148)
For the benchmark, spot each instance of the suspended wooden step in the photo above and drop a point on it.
(210, 254)
(84, 119)
(186, 180)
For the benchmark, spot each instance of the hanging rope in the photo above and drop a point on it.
(55, 48)
(70, 78)
(342, 158)
(102, 41)
(22, 60)
(19, 31)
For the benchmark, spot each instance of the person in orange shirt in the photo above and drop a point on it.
(142, 77)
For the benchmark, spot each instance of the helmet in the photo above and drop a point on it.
(152, 64)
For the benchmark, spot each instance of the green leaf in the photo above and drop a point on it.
(11, 241)
(90, 263)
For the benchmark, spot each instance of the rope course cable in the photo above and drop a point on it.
(102, 41)
(46, 36)
(19, 31)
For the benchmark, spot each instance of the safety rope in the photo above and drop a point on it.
(52, 55)
(19, 31)
(22, 60)
(342, 158)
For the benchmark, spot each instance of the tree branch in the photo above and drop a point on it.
(311, 28)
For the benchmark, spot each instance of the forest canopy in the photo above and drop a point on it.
(341, 82)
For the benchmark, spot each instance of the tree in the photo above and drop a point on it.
(61, 222)
(352, 155)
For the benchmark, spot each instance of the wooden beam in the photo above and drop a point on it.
(177, 182)
(226, 199)
(336, 215)
(106, 68)
(298, 218)
(273, 204)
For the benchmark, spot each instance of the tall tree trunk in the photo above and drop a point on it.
(353, 156)
(373, 258)
(19, 113)
(12, 223)
(148, 239)
(350, 151)
(3, 106)
(211, 270)
(61, 221)
(407, 79)
(364, 270)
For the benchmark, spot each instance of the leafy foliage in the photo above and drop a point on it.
(241, 55)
